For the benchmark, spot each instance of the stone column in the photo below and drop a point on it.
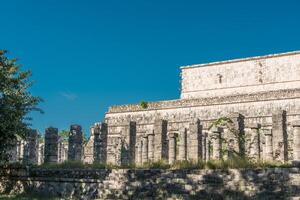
(279, 136)
(51, 145)
(238, 125)
(296, 140)
(204, 147)
(31, 150)
(182, 146)
(194, 142)
(172, 148)
(160, 140)
(139, 153)
(151, 147)
(145, 149)
(75, 143)
(100, 142)
(252, 141)
(130, 134)
(216, 142)
(207, 144)
(268, 145)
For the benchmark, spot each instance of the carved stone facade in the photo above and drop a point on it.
(260, 96)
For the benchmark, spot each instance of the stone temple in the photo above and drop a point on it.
(260, 96)
(247, 107)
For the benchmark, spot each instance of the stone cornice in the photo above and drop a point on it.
(241, 60)
(182, 103)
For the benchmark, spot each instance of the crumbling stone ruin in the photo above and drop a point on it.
(75, 143)
(95, 148)
(258, 99)
(31, 148)
(26, 150)
(51, 145)
(246, 107)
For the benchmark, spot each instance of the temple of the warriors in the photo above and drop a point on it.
(260, 96)
(247, 107)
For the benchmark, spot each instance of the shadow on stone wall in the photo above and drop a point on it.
(218, 184)
(277, 183)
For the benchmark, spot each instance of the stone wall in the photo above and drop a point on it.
(260, 113)
(242, 76)
(277, 183)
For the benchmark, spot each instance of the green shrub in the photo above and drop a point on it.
(144, 104)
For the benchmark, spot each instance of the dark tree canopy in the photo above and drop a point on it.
(16, 102)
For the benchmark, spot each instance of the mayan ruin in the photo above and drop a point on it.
(248, 107)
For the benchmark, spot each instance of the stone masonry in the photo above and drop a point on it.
(246, 107)
(260, 96)
(75, 143)
(51, 145)
(260, 184)
(32, 147)
(95, 148)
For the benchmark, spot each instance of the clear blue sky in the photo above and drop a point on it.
(89, 54)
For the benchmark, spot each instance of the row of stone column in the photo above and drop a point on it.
(253, 141)
(75, 144)
(145, 149)
(26, 150)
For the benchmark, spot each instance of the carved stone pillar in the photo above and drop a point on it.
(151, 147)
(236, 139)
(268, 145)
(296, 140)
(207, 145)
(252, 141)
(194, 142)
(100, 142)
(172, 148)
(130, 134)
(160, 140)
(145, 149)
(51, 145)
(75, 143)
(216, 143)
(182, 146)
(279, 136)
(31, 148)
(204, 147)
(139, 152)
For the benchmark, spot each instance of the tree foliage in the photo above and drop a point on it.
(16, 102)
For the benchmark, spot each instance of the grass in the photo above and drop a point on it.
(236, 163)
(77, 165)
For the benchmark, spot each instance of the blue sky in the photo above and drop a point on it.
(88, 55)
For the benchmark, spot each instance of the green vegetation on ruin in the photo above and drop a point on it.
(236, 163)
(144, 104)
